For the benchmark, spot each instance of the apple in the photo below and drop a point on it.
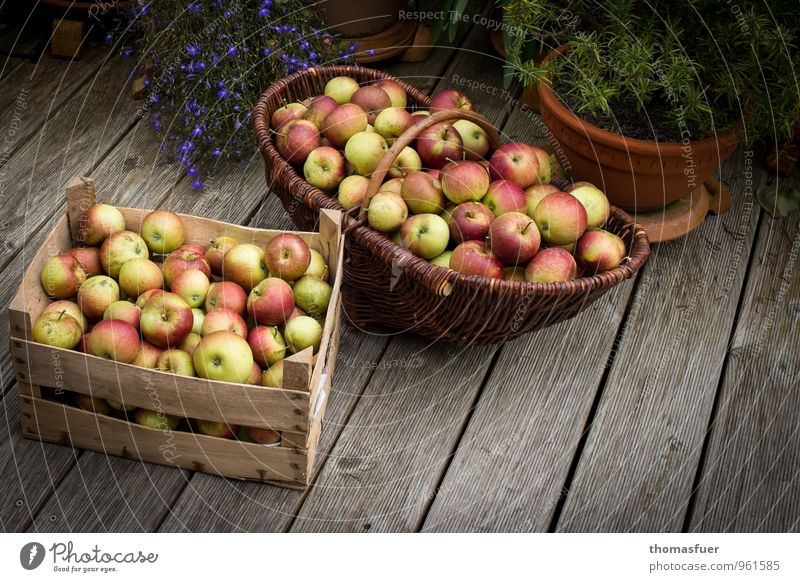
(343, 123)
(395, 186)
(198, 315)
(83, 345)
(371, 99)
(407, 161)
(225, 356)
(364, 150)
(271, 301)
(514, 238)
(287, 256)
(341, 89)
(273, 376)
(296, 312)
(476, 142)
(58, 329)
(147, 296)
(397, 95)
(100, 222)
(96, 294)
(442, 260)
(123, 311)
(422, 193)
(464, 181)
(120, 406)
(439, 144)
(296, 139)
(245, 265)
(386, 212)
(303, 332)
(545, 170)
(176, 361)
(391, 123)
(113, 339)
(224, 319)
(181, 260)
(267, 345)
(157, 420)
(425, 235)
(324, 168)
(599, 250)
(352, 190)
(534, 194)
(286, 113)
(189, 343)
(166, 320)
(514, 274)
(61, 276)
(119, 248)
(450, 99)
(255, 375)
(517, 162)
(470, 221)
(505, 196)
(312, 294)
(192, 285)
(226, 294)
(192, 247)
(138, 276)
(551, 265)
(319, 109)
(473, 257)
(147, 356)
(261, 436)
(561, 218)
(216, 251)
(70, 308)
(595, 203)
(91, 403)
(163, 231)
(89, 259)
(212, 428)
(317, 267)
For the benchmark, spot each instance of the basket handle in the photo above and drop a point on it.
(411, 134)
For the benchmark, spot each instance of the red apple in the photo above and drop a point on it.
(343, 123)
(505, 196)
(123, 311)
(216, 251)
(114, 340)
(397, 95)
(319, 109)
(262, 436)
(267, 345)
(551, 265)
(474, 258)
(189, 343)
(62, 276)
(450, 99)
(166, 320)
(422, 193)
(100, 222)
(517, 162)
(89, 259)
(147, 356)
(352, 190)
(534, 194)
(70, 308)
(226, 294)
(469, 221)
(255, 375)
(163, 231)
(147, 296)
(191, 247)
(119, 248)
(287, 256)
(296, 140)
(212, 428)
(464, 181)
(224, 320)
(192, 285)
(138, 276)
(245, 265)
(271, 302)
(96, 294)
(286, 113)
(514, 238)
(181, 260)
(545, 170)
(598, 251)
(439, 144)
(371, 99)
(176, 361)
(561, 218)
(391, 123)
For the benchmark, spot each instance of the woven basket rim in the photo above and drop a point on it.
(439, 279)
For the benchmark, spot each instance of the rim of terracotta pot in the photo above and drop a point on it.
(597, 134)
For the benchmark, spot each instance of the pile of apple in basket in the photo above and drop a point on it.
(449, 199)
(113, 301)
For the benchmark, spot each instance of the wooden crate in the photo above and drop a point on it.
(295, 410)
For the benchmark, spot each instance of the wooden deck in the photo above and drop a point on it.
(672, 404)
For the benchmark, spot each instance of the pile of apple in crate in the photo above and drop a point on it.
(448, 196)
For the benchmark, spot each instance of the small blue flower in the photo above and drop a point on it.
(197, 184)
(109, 37)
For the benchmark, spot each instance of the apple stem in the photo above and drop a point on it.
(527, 226)
(60, 315)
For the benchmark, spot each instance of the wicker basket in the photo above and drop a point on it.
(387, 285)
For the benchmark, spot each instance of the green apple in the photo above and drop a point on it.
(425, 235)
(364, 151)
(139, 275)
(442, 260)
(96, 294)
(387, 212)
(58, 329)
(120, 248)
(70, 308)
(176, 361)
(352, 190)
(302, 332)
(273, 376)
(198, 315)
(157, 420)
(407, 161)
(225, 356)
(317, 267)
(61, 276)
(101, 221)
(341, 89)
(312, 294)
(163, 231)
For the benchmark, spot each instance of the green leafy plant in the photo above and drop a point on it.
(664, 69)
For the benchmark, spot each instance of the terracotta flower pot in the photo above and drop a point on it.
(635, 174)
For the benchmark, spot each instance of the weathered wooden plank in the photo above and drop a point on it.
(638, 465)
(749, 480)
